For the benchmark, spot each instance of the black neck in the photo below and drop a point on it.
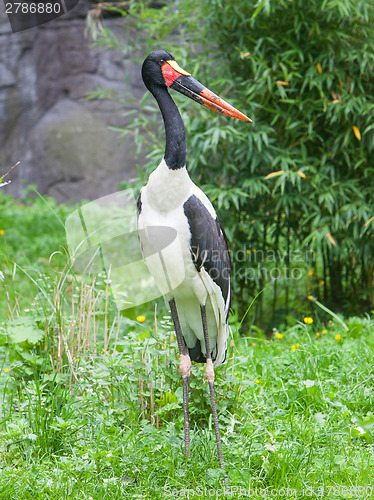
(175, 149)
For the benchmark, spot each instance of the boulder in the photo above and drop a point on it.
(63, 140)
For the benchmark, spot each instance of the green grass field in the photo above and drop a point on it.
(295, 412)
(91, 399)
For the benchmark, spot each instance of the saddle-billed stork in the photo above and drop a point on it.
(199, 264)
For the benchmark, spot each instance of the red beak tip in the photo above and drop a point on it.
(244, 117)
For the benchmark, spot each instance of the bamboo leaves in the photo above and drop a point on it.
(300, 176)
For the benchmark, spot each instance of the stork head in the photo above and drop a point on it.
(160, 70)
(152, 68)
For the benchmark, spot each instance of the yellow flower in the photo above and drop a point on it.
(324, 332)
(338, 337)
(235, 373)
(321, 282)
(310, 297)
(293, 348)
(2, 232)
(308, 321)
(257, 381)
(6, 370)
(279, 335)
(141, 319)
(232, 343)
(318, 334)
(311, 272)
(248, 252)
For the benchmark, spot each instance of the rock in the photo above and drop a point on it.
(63, 141)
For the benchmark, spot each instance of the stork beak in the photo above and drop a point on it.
(181, 81)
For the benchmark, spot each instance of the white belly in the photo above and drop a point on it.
(165, 240)
(175, 273)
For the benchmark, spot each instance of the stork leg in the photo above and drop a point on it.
(209, 373)
(185, 367)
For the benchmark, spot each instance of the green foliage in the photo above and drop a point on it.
(32, 235)
(22, 329)
(299, 179)
(310, 80)
(31, 229)
(295, 411)
(91, 399)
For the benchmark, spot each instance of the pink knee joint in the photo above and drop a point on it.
(185, 365)
(209, 372)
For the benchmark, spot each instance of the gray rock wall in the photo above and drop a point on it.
(63, 141)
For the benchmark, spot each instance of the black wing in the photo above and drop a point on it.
(209, 244)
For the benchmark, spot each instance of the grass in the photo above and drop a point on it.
(295, 412)
(91, 399)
